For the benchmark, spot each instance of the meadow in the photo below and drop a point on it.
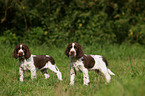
(126, 61)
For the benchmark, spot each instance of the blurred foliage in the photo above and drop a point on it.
(63, 21)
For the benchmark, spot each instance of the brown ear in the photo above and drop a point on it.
(27, 53)
(67, 51)
(15, 53)
(80, 51)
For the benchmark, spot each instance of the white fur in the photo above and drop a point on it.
(21, 50)
(73, 50)
(77, 65)
(27, 65)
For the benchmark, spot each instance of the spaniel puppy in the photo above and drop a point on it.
(27, 61)
(81, 62)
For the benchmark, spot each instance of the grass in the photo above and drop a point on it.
(126, 61)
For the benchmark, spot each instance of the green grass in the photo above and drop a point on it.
(126, 61)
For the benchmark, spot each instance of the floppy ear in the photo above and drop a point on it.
(80, 51)
(67, 51)
(27, 53)
(15, 53)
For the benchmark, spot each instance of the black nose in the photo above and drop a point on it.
(72, 52)
(20, 54)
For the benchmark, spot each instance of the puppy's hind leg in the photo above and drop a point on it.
(55, 69)
(107, 76)
(45, 72)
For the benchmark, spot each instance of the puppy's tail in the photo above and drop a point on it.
(110, 72)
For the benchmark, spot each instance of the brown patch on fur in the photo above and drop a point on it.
(16, 51)
(26, 51)
(68, 49)
(41, 60)
(88, 61)
(79, 50)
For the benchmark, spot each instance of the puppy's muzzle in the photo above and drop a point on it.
(20, 54)
(72, 53)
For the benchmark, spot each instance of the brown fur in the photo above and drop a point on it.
(27, 51)
(88, 61)
(16, 51)
(79, 50)
(68, 49)
(41, 60)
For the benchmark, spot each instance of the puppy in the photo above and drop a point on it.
(84, 63)
(27, 61)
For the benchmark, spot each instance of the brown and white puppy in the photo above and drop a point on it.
(82, 62)
(27, 61)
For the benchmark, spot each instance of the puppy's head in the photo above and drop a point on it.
(74, 50)
(22, 51)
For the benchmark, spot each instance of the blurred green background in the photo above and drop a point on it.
(57, 22)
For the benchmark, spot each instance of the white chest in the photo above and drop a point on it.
(78, 65)
(27, 64)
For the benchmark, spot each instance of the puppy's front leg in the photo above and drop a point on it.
(85, 74)
(33, 73)
(72, 76)
(21, 74)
